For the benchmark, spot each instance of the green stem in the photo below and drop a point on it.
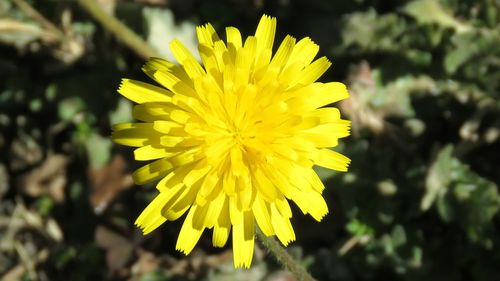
(33, 13)
(121, 31)
(283, 257)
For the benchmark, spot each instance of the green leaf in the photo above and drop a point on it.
(398, 236)
(371, 31)
(437, 179)
(98, 150)
(462, 196)
(358, 228)
(431, 12)
(69, 107)
(122, 114)
(464, 49)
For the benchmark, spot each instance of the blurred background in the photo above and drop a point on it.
(420, 201)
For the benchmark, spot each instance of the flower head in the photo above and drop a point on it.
(235, 139)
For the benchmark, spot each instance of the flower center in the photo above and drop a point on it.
(238, 137)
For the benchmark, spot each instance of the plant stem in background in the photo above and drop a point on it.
(50, 29)
(121, 31)
(283, 257)
(30, 11)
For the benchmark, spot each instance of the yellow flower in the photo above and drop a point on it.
(236, 138)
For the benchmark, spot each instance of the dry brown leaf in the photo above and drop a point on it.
(49, 178)
(18, 271)
(119, 249)
(146, 262)
(53, 229)
(24, 153)
(107, 182)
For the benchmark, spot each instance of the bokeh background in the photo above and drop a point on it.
(420, 201)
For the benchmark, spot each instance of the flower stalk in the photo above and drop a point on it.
(121, 31)
(283, 257)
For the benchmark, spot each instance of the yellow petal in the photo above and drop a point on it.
(220, 235)
(186, 59)
(152, 171)
(192, 185)
(243, 241)
(283, 207)
(141, 92)
(155, 64)
(283, 53)
(317, 205)
(316, 95)
(207, 187)
(303, 53)
(151, 112)
(261, 211)
(265, 33)
(200, 215)
(196, 174)
(213, 210)
(189, 235)
(246, 55)
(235, 212)
(129, 125)
(281, 181)
(326, 114)
(171, 141)
(135, 134)
(331, 92)
(150, 152)
(152, 216)
(160, 65)
(164, 126)
(331, 159)
(300, 143)
(190, 104)
(174, 83)
(180, 204)
(265, 187)
(285, 151)
(291, 73)
(246, 192)
(229, 183)
(179, 141)
(180, 116)
(223, 226)
(220, 52)
(327, 135)
(314, 180)
(282, 226)
(208, 58)
(206, 34)
(233, 36)
(313, 71)
(175, 177)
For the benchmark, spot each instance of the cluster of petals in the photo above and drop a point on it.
(234, 140)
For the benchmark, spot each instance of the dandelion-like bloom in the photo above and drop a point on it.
(236, 138)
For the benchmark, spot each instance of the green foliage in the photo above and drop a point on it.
(461, 196)
(432, 12)
(420, 200)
